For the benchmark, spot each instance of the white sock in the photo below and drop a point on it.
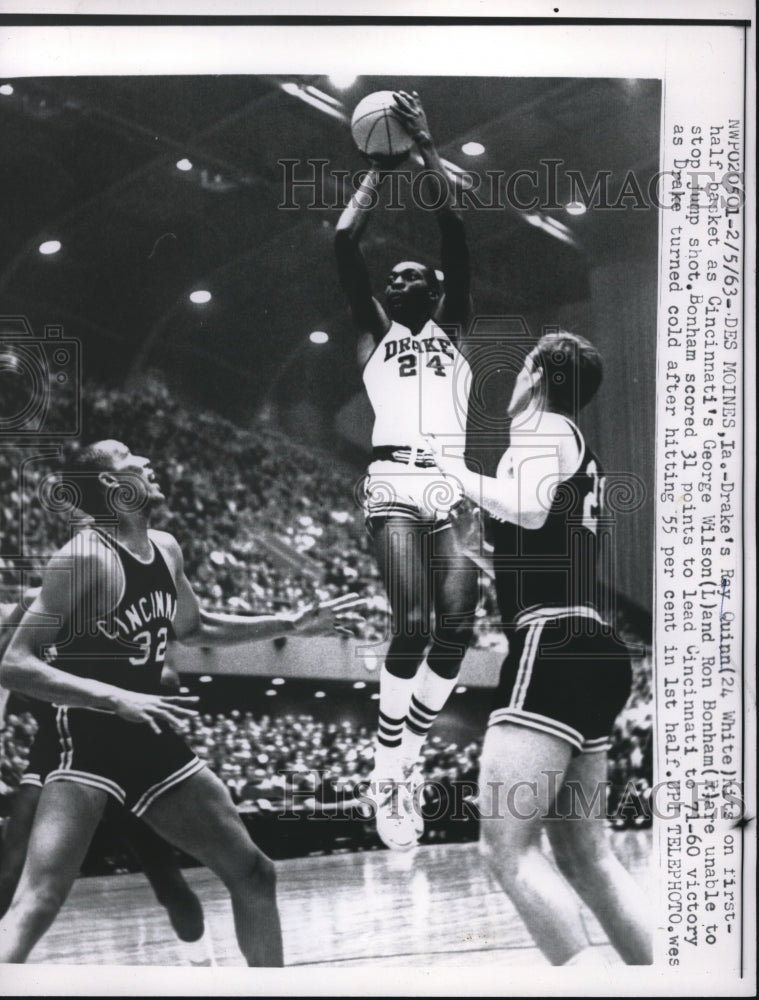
(395, 695)
(430, 693)
(199, 952)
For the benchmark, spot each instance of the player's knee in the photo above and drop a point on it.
(449, 645)
(575, 859)
(404, 654)
(44, 902)
(265, 875)
(259, 874)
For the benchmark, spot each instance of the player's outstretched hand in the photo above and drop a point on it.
(153, 709)
(408, 108)
(337, 615)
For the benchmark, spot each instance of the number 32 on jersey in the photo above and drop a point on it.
(145, 641)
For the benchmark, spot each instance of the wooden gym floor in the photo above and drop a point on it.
(435, 906)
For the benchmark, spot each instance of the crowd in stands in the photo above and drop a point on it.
(297, 757)
(16, 738)
(631, 755)
(265, 526)
(276, 762)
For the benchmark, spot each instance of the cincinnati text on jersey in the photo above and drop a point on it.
(157, 604)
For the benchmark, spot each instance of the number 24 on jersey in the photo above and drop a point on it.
(408, 365)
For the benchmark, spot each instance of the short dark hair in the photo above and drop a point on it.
(79, 478)
(430, 277)
(572, 367)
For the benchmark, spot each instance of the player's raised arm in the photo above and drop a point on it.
(325, 618)
(368, 315)
(455, 303)
(194, 626)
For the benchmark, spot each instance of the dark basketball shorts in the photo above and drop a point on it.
(130, 762)
(566, 674)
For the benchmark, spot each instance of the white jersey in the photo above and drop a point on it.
(417, 385)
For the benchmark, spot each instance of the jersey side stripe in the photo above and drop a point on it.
(86, 778)
(145, 801)
(526, 662)
(534, 721)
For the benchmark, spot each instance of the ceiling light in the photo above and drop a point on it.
(576, 208)
(359, 685)
(342, 80)
(270, 693)
(375, 696)
(551, 226)
(319, 694)
(473, 148)
(199, 296)
(6, 90)
(314, 97)
(184, 164)
(205, 679)
(321, 96)
(277, 681)
(318, 337)
(50, 246)
(461, 689)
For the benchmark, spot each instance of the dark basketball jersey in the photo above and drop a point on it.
(127, 645)
(554, 565)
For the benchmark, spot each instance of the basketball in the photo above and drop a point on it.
(378, 131)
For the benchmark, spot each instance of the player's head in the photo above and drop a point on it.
(562, 373)
(411, 291)
(107, 480)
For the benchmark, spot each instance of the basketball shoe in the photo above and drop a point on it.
(393, 811)
(413, 775)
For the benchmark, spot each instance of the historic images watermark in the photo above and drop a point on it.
(465, 800)
(40, 380)
(313, 184)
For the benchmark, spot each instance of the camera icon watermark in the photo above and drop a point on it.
(40, 381)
